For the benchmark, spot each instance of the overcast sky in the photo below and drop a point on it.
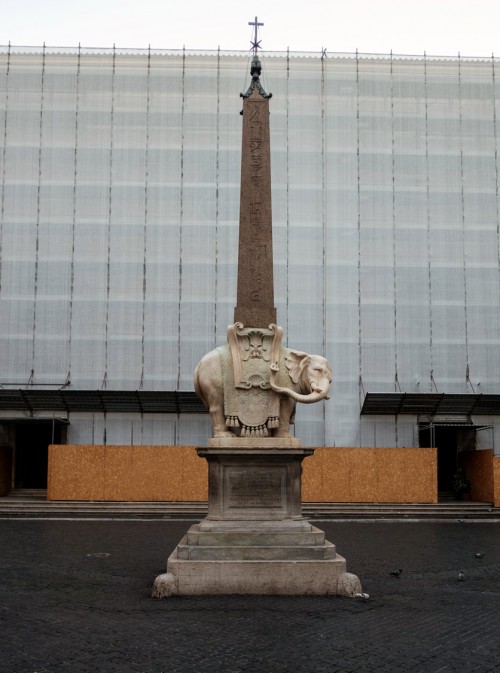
(437, 27)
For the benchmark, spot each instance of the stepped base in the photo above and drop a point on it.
(245, 541)
(239, 533)
(265, 577)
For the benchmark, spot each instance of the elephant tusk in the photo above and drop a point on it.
(297, 397)
(316, 395)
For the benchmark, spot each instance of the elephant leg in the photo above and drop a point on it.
(219, 426)
(287, 407)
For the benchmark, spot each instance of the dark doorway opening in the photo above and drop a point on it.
(32, 439)
(449, 440)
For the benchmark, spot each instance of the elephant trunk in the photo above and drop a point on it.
(316, 395)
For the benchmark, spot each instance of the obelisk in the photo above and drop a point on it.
(255, 291)
(254, 539)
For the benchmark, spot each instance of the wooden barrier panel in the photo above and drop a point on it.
(496, 481)
(176, 473)
(363, 474)
(133, 473)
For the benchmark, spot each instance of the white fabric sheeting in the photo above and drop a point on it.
(120, 205)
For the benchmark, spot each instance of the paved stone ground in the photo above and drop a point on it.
(74, 598)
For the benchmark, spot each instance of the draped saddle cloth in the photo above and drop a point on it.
(250, 404)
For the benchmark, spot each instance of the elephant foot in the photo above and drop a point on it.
(223, 433)
(283, 434)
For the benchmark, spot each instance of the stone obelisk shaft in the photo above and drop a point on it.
(255, 294)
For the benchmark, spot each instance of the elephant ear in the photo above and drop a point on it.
(295, 362)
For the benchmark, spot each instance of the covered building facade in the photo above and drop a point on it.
(118, 240)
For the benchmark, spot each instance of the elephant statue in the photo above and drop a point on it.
(264, 405)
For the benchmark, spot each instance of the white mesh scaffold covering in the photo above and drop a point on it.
(119, 225)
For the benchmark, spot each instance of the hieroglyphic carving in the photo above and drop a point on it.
(255, 300)
(255, 207)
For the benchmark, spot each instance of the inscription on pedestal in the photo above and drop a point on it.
(255, 488)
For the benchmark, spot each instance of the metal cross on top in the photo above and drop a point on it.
(255, 44)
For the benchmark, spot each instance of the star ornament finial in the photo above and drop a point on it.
(255, 42)
(256, 66)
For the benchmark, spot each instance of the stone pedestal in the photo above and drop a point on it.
(254, 539)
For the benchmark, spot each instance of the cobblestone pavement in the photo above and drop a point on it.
(74, 598)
